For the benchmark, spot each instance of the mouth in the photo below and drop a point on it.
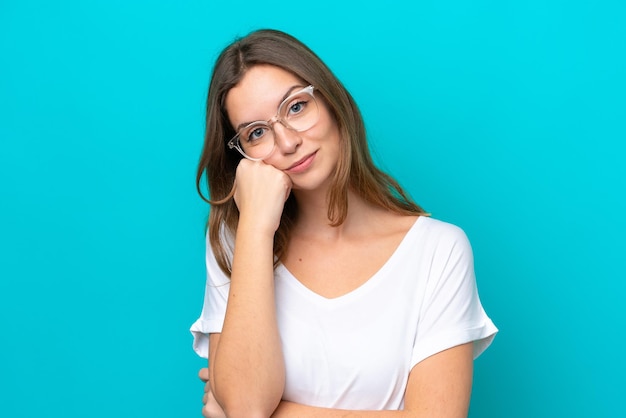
(302, 164)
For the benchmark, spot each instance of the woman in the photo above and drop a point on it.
(328, 289)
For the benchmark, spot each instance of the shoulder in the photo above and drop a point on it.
(440, 232)
(441, 243)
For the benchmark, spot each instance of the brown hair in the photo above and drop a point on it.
(355, 170)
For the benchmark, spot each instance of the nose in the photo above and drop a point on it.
(287, 140)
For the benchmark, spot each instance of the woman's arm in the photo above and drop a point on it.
(438, 387)
(247, 365)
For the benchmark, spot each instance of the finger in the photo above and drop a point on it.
(203, 374)
(287, 193)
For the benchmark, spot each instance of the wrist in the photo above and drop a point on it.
(255, 226)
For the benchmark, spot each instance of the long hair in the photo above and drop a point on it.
(355, 171)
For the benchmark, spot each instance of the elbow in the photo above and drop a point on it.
(249, 406)
(248, 411)
(248, 396)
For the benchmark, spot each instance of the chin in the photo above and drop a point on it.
(311, 181)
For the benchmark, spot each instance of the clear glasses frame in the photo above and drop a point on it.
(235, 141)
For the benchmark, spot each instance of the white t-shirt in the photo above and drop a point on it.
(356, 351)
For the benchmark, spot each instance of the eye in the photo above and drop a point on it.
(255, 134)
(297, 107)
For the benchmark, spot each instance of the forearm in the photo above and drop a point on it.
(249, 367)
(290, 409)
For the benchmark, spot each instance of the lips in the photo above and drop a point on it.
(302, 164)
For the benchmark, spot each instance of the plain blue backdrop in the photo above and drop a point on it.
(504, 117)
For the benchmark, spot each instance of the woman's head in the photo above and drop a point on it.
(270, 47)
(354, 169)
(281, 120)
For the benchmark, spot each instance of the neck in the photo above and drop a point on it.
(313, 214)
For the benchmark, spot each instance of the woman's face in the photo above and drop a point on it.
(310, 157)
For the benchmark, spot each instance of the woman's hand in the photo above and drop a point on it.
(260, 195)
(210, 409)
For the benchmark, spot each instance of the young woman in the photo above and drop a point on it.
(329, 292)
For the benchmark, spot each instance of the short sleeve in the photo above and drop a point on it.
(211, 319)
(451, 313)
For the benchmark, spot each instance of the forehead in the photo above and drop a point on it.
(258, 94)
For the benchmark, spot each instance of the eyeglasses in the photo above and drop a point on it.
(298, 112)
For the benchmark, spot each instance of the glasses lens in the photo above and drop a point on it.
(257, 140)
(299, 111)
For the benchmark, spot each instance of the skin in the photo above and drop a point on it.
(246, 374)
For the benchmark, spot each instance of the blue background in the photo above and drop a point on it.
(504, 117)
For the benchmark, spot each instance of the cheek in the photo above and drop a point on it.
(327, 128)
(273, 159)
(332, 137)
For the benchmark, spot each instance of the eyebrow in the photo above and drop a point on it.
(289, 91)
